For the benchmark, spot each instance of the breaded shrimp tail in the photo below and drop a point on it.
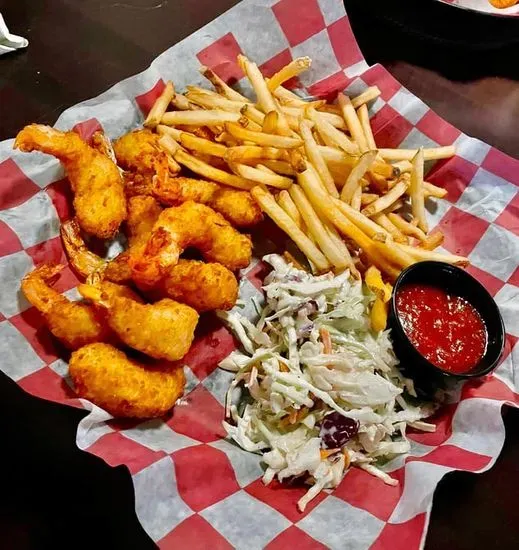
(122, 386)
(98, 187)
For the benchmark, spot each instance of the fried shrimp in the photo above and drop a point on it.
(204, 287)
(236, 206)
(99, 199)
(189, 225)
(163, 330)
(124, 386)
(73, 323)
(85, 263)
(143, 212)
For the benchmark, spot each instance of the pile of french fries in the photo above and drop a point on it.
(314, 168)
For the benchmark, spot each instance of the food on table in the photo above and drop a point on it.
(320, 388)
(503, 3)
(189, 225)
(163, 330)
(143, 212)
(99, 200)
(125, 386)
(446, 329)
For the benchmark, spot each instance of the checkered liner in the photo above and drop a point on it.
(193, 488)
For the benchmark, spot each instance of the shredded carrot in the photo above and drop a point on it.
(325, 453)
(326, 339)
(347, 459)
(283, 368)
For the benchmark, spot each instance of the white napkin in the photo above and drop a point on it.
(10, 42)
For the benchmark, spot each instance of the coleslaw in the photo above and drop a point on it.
(316, 390)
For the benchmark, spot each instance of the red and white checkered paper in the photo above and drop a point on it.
(193, 488)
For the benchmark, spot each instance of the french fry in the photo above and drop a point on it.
(365, 224)
(169, 144)
(327, 206)
(434, 191)
(210, 101)
(382, 220)
(174, 133)
(270, 122)
(296, 112)
(253, 114)
(317, 229)
(160, 106)
(368, 198)
(260, 176)
(352, 122)
(356, 200)
(245, 153)
(407, 228)
(421, 254)
(286, 96)
(173, 165)
(284, 222)
(315, 157)
(416, 191)
(363, 115)
(433, 241)
(353, 182)
(221, 87)
(181, 103)
(394, 253)
(330, 134)
(403, 166)
(285, 201)
(294, 68)
(199, 118)
(210, 172)
(194, 143)
(335, 157)
(279, 167)
(434, 153)
(266, 140)
(366, 96)
(385, 201)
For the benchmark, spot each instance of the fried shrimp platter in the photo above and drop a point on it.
(99, 199)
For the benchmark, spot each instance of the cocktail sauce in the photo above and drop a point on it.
(446, 329)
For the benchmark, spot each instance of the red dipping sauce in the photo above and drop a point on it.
(446, 329)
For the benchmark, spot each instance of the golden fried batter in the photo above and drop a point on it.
(99, 199)
(122, 386)
(236, 206)
(73, 323)
(204, 287)
(163, 330)
(189, 225)
(143, 212)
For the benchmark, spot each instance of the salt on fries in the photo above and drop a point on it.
(313, 167)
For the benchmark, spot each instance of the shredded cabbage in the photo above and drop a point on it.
(291, 381)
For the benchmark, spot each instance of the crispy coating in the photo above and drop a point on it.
(138, 151)
(204, 287)
(73, 323)
(143, 212)
(163, 330)
(236, 206)
(99, 199)
(189, 225)
(123, 386)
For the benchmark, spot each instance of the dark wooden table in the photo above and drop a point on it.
(78, 48)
